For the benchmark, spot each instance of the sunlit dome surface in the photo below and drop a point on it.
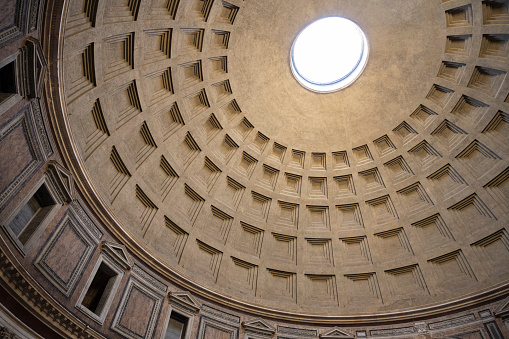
(329, 54)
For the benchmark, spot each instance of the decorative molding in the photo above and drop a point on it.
(258, 326)
(361, 334)
(390, 332)
(230, 318)
(296, 331)
(493, 330)
(138, 287)
(148, 279)
(421, 327)
(6, 334)
(118, 253)
(64, 281)
(30, 294)
(29, 119)
(16, 29)
(338, 333)
(62, 180)
(33, 15)
(86, 221)
(503, 310)
(453, 322)
(40, 129)
(485, 314)
(184, 301)
(207, 323)
(11, 327)
(33, 68)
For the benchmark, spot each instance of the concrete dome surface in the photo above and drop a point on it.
(164, 148)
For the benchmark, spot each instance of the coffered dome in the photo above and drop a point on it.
(193, 140)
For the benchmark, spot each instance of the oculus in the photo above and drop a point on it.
(329, 54)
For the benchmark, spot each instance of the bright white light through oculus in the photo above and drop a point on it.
(329, 54)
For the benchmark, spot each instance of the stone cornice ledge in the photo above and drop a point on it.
(53, 32)
(34, 298)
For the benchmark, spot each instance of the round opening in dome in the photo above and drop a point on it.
(329, 54)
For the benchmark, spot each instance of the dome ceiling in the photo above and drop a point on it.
(406, 45)
(194, 142)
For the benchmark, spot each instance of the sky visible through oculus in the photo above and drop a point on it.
(329, 50)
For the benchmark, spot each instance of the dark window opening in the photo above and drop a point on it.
(32, 214)
(177, 326)
(7, 81)
(99, 289)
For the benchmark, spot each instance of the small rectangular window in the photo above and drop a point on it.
(31, 215)
(177, 326)
(99, 289)
(7, 81)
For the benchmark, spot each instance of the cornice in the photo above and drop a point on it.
(53, 42)
(34, 298)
